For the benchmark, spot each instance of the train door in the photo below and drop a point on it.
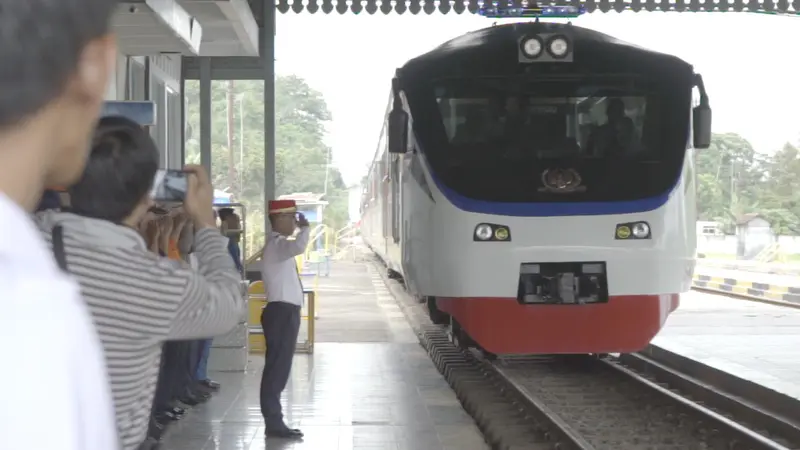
(415, 227)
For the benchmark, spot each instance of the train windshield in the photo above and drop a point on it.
(507, 134)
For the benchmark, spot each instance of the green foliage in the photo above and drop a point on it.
(237, 155)
(732, 180)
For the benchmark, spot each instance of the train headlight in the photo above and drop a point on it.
(558, 46)
(532, 47)
(632, 230)
(640, 230)
(491, 232)
(623, 232)
(483, 232)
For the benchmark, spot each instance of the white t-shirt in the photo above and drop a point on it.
(279, 269)
(57, 394)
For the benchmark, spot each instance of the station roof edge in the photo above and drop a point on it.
(430, 7)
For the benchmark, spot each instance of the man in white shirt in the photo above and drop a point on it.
(57, 57)
(280, 319)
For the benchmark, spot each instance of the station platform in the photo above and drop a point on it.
(771, 279)
(369, 385)
(751, 340)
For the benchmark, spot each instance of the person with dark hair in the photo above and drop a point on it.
(280, 320)
(138, 299)
(57, 58)
(617, 137)
(49, 200)
(231, 227)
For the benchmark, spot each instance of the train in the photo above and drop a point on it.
(534, 185)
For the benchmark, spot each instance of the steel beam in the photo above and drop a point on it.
(268, 59)
(205, 114)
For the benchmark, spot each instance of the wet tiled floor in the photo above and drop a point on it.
(368, 385)
(751, 340)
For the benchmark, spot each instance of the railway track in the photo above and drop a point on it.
(654, 400)
(589, 403)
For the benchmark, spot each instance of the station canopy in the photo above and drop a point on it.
(414, 7)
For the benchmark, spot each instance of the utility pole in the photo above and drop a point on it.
(231, 136)
(327, 167)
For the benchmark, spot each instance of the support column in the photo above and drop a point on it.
(205, 113)
(182, 115)
(268, 59)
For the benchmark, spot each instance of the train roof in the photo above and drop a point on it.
(493, 51)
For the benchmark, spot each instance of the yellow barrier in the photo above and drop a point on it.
(257, 300)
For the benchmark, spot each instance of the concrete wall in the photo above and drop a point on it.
(727, 245)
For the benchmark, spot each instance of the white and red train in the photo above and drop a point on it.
(534, 184)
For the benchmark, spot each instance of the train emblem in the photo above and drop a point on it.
(561, 181)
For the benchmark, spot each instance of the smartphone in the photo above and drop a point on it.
(170, 186)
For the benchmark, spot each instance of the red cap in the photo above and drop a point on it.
(282, 206)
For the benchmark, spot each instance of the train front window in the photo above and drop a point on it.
(507, 133)
(584, 121)
(549, 127)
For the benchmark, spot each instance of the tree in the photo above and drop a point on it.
(779, 197)
(733, 179)
(302, 160)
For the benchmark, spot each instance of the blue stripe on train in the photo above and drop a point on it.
(551, 209)
(546, 209)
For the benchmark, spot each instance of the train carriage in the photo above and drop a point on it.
(534, 184)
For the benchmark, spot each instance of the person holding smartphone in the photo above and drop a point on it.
(280, 320)
(139, 299)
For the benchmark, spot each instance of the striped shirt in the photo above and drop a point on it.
(138, 300)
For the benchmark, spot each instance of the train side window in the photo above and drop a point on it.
(383, 177)
(396, 211)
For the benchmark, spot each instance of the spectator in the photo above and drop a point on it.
(57, 57)
(231, 227)
(186, 246)
(183, 356)
(137, 299)
(173, 385)
(196, 378)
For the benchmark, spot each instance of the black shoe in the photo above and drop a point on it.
(149, 444)
(162, 421)
(202, 388)
(213, 385)
(199, 396)
(172, 416)
(190, 401)
(156, 430)
(284, 433)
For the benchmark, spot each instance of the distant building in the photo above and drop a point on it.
(311, 205)
(222, 197)
(709, 228)
(753, 234)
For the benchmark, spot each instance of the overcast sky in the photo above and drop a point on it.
(745, 60)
